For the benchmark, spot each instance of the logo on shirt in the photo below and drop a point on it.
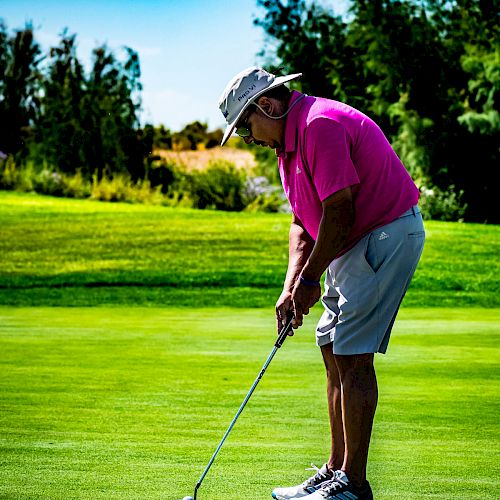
(297, 170)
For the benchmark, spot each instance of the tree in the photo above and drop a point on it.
(162, 137)
(19, 81)
(297, 35)
(190, 136)
(467, 148)
(60, 135)
(110, 118)
(426, 71)
(214, 138)
(90, 122)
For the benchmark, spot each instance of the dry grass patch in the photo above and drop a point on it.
(198, 160)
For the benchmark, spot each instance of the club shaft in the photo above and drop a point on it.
(278, 344)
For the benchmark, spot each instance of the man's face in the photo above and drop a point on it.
(264, 131)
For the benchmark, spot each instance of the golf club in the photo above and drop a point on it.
(279, 342)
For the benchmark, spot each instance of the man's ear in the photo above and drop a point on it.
(266, 104)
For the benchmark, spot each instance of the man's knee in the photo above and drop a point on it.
(346, 363)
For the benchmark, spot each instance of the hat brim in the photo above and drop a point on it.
(280, 80)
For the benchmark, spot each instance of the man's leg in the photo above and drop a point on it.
(359, 401)
(334, 395)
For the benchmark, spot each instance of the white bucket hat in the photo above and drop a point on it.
(243, 89)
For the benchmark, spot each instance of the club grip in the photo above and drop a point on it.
(283, 334)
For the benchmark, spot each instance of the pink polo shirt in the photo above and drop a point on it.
(330, 146)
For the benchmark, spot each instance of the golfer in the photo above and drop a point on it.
(355, 216)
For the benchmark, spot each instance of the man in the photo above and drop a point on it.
(354, 215)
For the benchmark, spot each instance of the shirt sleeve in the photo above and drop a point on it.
(328, 157)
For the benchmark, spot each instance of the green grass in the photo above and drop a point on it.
(131, 402)
(83, 253)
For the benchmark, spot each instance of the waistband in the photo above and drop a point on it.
(412, 211)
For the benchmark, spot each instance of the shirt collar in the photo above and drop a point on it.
(291, 125)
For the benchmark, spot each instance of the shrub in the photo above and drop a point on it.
(76, 186)
(219, 186)
(266, 164)
(164, 175)
(274, 201)
(437, 204)
(45, 181)
(49, 182)
(260, 196)
(16, 178)
(121, 188)
(173, 182)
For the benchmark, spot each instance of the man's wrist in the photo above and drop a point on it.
(308, 282)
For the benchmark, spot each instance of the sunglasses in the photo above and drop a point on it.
(244, 129)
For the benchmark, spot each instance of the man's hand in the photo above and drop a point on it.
(303, 298)
(283, 306)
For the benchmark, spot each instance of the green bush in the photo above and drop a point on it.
(14, 178)
(76, 186)
(260, 196)
(218, 186)
(168, 176)
(437, 204)
(173, 181)
(266, 164)
(270, 202)
(49, 182)
(121, 188)
(45, 181)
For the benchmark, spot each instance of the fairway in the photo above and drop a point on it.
(63, 252)
(123, 402)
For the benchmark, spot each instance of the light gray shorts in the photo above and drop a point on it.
(365, 286)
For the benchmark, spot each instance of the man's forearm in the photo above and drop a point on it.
(300, 248)
(336, 224)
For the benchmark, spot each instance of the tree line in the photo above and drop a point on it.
(427, 71)
(54, 113)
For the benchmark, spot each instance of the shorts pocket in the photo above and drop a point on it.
(371, 254)
(418, 234)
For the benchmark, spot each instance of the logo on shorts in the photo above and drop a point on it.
(298, 171)
(383, 236)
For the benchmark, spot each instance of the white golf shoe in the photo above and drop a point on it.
(307, 487)
(340, 488)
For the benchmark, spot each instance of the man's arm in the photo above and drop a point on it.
(336, 224)
(299, 248)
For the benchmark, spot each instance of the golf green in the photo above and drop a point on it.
(131, 403)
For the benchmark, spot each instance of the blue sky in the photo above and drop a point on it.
(188, 49)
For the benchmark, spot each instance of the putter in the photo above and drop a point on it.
(279, 342)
